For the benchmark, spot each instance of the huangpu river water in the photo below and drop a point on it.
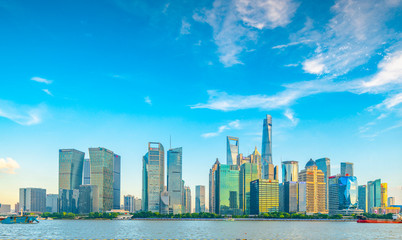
(200, 229)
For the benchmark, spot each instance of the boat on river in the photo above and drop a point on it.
(396, 218)
(18, 219)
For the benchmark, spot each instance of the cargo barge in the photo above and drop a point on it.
(396, 218)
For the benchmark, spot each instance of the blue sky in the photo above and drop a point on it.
(118, 74)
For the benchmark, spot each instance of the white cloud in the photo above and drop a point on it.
(47, 92)
(41, 80)
(390, 71)
(235, 22)
(23, 115)
(185, 27)
(314, 66)
(291, 116)
(231, 125)
(8, 165)
(148, 100)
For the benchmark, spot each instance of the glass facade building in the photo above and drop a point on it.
(116, 181)
(302, 197)
(290, 171)
(232, 145)
(70, 168)
(373, 194)
(86, 174)
(187, 199)
(346, 169)
(51, 203)
(174, 178)
(248, 173)
(129, 203)
(32, 200)
(290, 197)
(212, 173)
(264, 196)
(102, 175)
(199, 199)
(88, 199)
(362, 197)
(348, 192)
(227, 190)
(266, 146)
(324, 164)
(153, 177)
(68, 200)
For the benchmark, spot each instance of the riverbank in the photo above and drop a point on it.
(247, 219)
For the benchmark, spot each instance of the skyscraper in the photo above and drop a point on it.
(348, 192)
(290, 196)
(187, 199)
(324, 164)
(302, 197)
(70, 168)
(290, 171)
(373, 194)
(86, 173)
(315, 186)
(227, 190)
(88, 199)
(32, 199)
(129, 203)
(232, 145)
(199, 199)
(346, 169)
(153, 175)
(68, 200)
(174, 178)
(212, 173)
(266, 146)
(248, 173)
(384, 195)
(264, 195)
(102, 175)
(51, 203)
(362, 197)
(116, 181)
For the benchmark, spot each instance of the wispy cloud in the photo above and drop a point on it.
(23, 115)
(41, 80)
(47, 92)
(291, 116)
(231, 125)
(236, 22)
(390, 71)
(8, 165)
(185, 27)
(148, 100)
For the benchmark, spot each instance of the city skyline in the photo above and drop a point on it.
(189, 75)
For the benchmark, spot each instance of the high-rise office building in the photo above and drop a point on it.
(51, 203)
(333, 194)
(315, 194)
(69, 200)
(343, 193)
(102, 175)
(88, 199)
(164, 202)
(248, 173)
(227, 190)
(174, 178)
(199, 199)
(324, 164)
(373, 194)
(70, 168)
(302, 197)
(290, 197)
(290, 171)
(86, 172)
(232, 145)
(137, 204)
(391, 201)
(129, 203)
(116, 181)
(362, 197)
(153, 176)
(212, 173)
(384, 195)
(255, 158)
(346, 169)
(187, 199)
(32, 200)
(266, 146)
(264, 195)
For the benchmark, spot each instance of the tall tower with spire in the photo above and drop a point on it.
(267, 147)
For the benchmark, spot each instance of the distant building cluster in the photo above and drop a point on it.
(247, 185)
